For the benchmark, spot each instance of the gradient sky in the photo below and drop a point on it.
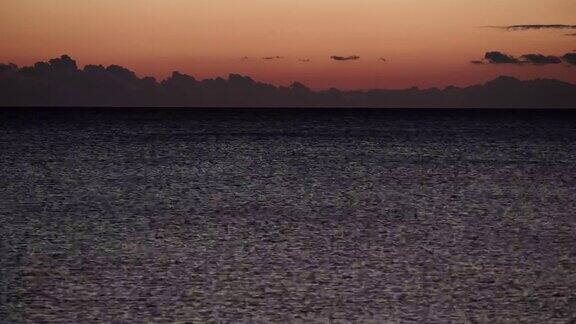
(426, 42)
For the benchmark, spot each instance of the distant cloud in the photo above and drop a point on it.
(533, 27)
(345, 58)
(10, 67)
(570, 58)
(574, 34)
(540, 59)
(305, 60)
(533, 59)
(383, 59)
(501, 58)
(272, 58)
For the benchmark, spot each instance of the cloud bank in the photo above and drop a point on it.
(59, 82)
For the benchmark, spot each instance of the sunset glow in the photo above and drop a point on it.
(424, 43)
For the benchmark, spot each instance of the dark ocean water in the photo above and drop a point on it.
(287, 216)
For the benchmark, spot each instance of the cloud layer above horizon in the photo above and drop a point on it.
(60, 82)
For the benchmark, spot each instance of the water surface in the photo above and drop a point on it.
(287, 216)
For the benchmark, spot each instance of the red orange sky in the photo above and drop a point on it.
(425, 42)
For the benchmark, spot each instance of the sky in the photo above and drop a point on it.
(425, 43)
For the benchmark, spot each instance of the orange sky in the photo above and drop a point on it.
(426, 42)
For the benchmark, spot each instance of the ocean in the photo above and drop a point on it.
(287, 215)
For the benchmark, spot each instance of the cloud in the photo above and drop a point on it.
(533, 59)
(345, 58)
(570, 58)
(539, 59)
(269, 58)
(305, 60)
(383, 59)
(60, 83)
(10, 67)
(501, 58)
(533, 27)
(64, 63)
(574, 34)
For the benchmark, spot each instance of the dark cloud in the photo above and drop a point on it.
(533, 59)
(534, 27)
(345, 58)
(383, 59)
(570, 58)
(59, 82)
(63, 64)
(304, 60)
(121, 73)
(574, 34)
(540, 59)
(10, 67)
(272, 58)
(501, 58)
